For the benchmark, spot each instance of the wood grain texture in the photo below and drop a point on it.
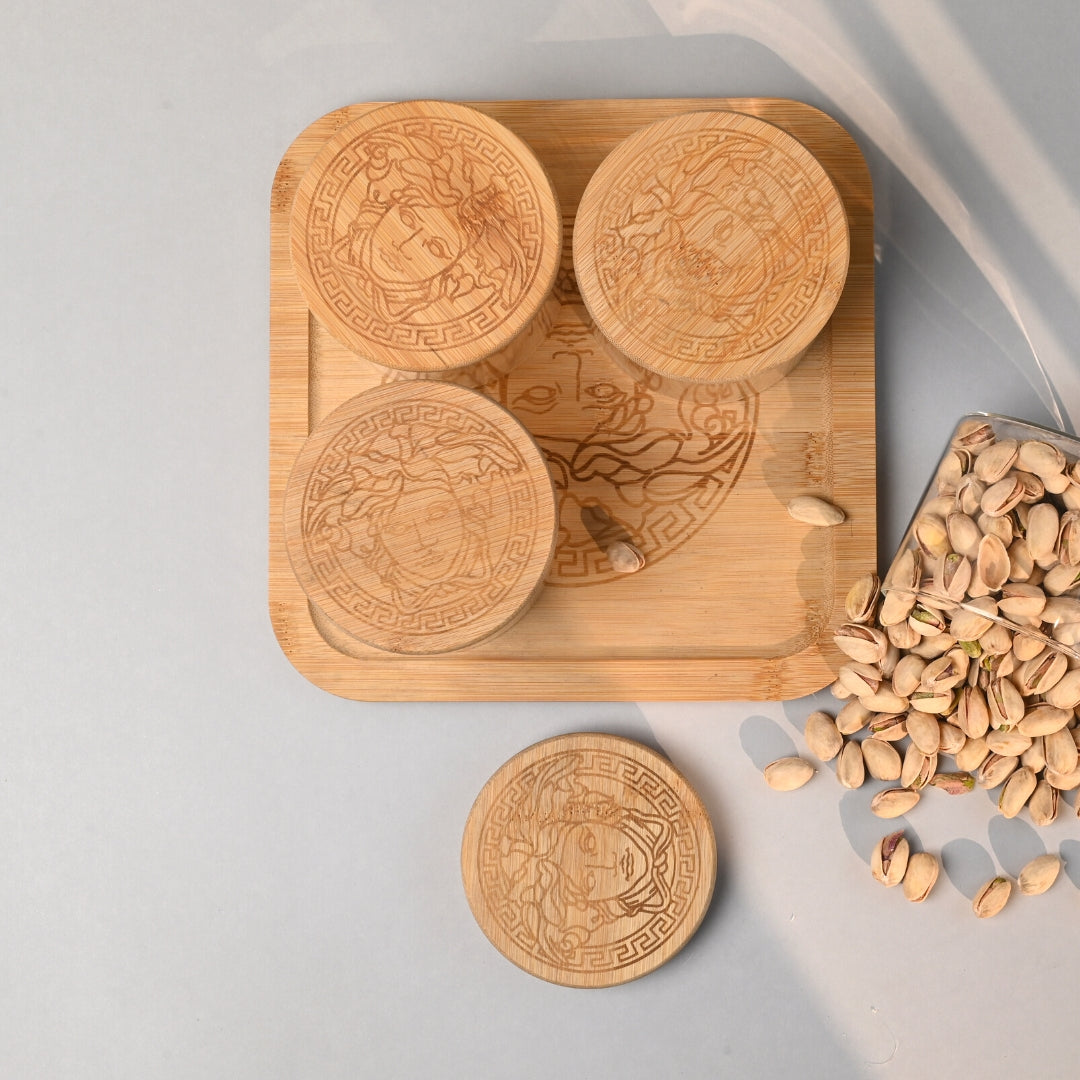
(420, 518)
(711, 247)
(736, 601)
(426, 236)
(588, 860)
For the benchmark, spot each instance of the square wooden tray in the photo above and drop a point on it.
(737, 601)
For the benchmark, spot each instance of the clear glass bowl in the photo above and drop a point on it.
(981, 488)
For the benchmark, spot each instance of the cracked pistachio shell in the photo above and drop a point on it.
(998, 499)
(1043, 806)
(854, 716)
(973, 435)
(896, 606)
(901, 635)
(1034, 489)
(938, 703)
(884, 701)
(1027, 646)
(1056, 483)
(1016, 792)
(993, 562)
(889, 860)
(822, 736)
(860, 679)
(1041, 673)
(1035, 755)
(1042, 529)
(917, 767)
(893, 802)
(1040, 458)
(927, 622)
(997, 641)
(1006, 703)
(1060, 579)
(924, 731)
(1061, 753)
(840, 691)
(1039, 874)
(931, 535)
(930, 648)
(850, 768)
(995, 770)
(1068, 546)
(865, 644)
(945, 672)
(1062, 781)
(862, 598)
(1021, 561)
(1021, 600)
(995, 461)
(888, 727)
(814, 511)
(969, 493)
(972, 713)
(952, 576)
(625, 558)
(921, 876)
(952, 738)
(881, 758)
(972, 754)
(788, 773)
(992, 897)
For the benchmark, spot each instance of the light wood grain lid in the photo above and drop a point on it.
(420, 517)
(588, 860)
(710, 246)
(425, 235)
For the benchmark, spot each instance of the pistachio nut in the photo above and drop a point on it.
(1043, 804)
(1065, 693)
(1069, 781)
(864, 644)
(1060, 579)
(998, 499)
(995, 461)
(1006, 704)
(625, 558)
(1016, 792)
(1026, 646)
(1021, 561)
(1056, 483)
(1042, 530)
(908, 674)
(814, 511)
(1068, 545)
(931, 536)
(952, 738)
(862, 598)
(924, 731)
(939, 703)
(917, 767)
(1044, 719)
(972, 713)
(884, 701)
(860, 679)
(881, 758)
(921, 875)
(964, 534)
(840, 691)
(992, 562)
(973, 435)
(995, 770)
(969, 493)
(953, 783)
(1021, 600)
(1035, 755)
(900, 634)
(971, 621)
(850, 768)
(927, 622)
(889, 860)
(854, 716)
(972, 754)
(945, 672)
(1038, 875)
(888, 727)
(893, 802)
(1060, 751)
(952, 576)
(992, 897)
(788, 773)
(1040, 458)
(822, 736)
(1007, 743)
(1034, 488)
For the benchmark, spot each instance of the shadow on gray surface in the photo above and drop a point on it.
(764, 740)
(865, 831)
(967, 865)
(1015, 843)
(1070, 856)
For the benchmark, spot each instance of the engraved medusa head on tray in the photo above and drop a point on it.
(422, 223)
(628, 461)
(397, 517)
(587, 861)
(713, 237)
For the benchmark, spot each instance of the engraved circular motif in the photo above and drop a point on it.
(425, 236)
(711, 246)
(588, 860)
(420, 517)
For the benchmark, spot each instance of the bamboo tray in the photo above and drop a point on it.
(736, 601)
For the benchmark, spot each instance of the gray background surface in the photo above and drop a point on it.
(210, 868)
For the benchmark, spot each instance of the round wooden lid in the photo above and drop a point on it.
(425, 235)
(420, 517)
(710, 246)
(588, 860)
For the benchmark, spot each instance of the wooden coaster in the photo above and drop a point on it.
(425, 236)
(420, 517)
(711, 247)
(588, 860)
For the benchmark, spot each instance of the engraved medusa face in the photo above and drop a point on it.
(413, 243)
(602, 861)
(722, 257)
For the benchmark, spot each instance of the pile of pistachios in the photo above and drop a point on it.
(968, 650)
